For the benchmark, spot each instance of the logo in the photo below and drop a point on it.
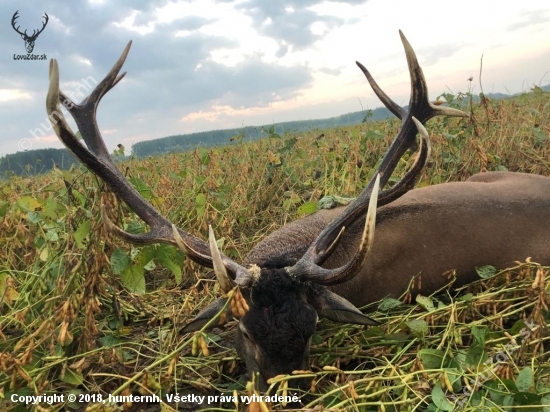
(29, 40)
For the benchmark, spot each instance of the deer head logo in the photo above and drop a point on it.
(29, 40)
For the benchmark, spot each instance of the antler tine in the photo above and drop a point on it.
(420, 108)
(92, 158)
(393, 107)
(96, 157)
(86, 110)
(305, 270)
(419, 90)
(226, 283)
(424, 109)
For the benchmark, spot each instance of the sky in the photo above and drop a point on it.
(216, 64)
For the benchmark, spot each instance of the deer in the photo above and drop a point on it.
(29, 40)
(331, 263)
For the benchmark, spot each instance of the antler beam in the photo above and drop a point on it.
(96, 157)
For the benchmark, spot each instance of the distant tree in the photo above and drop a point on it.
(32, 162)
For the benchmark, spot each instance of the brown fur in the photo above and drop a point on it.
(493, 218)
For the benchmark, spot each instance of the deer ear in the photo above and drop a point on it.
(205, 316)
(334, 307)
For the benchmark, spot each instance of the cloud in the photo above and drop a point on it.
(332, 72)
(290, 23)
(432, 55)
(167, 74)
(229, 59)
(530, 18)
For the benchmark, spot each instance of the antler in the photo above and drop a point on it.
(420, 110)
(13, 19)
(96, 157)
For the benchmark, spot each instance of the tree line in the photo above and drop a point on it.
(31, 162)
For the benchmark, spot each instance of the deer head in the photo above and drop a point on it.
(29, 40)
(279, 302)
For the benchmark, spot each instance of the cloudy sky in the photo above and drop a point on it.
(211, 64)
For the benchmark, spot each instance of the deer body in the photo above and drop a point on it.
(493, 218)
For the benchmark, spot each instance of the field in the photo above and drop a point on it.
(84, 313)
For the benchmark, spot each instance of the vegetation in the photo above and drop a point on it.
(84, 313)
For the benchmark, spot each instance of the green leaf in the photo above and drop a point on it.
(82, 233)
(495, 391)
(475, 355)
(288, 145)
(52, 235)
(431, 358)
(72, 378)
(39, 241)
(150, 266)
(200, 200)
(10, 293)
(455, 377)
(171, 258)
(44, 253)
(109, 341)
(545, 403)
(307, 208)
(479, 332)
(133, 279)
(300, 153)
(120, 261)
(375, 135)
(426, 302)
(374, 331)
(440, 400)
(509, 385)
(317, 339)
(540, 135)
(449, 97)
(287, 204)
(79, 197)
(135, 226)
(53, 209)
(204, 155)
(34, 217)
(524, 381)
(141, 187)
(527, 399)
(466, 298)
(418, 326)
(28, 204)
(388, 304)
(486, 272)
(144, 256)
(4, 206)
